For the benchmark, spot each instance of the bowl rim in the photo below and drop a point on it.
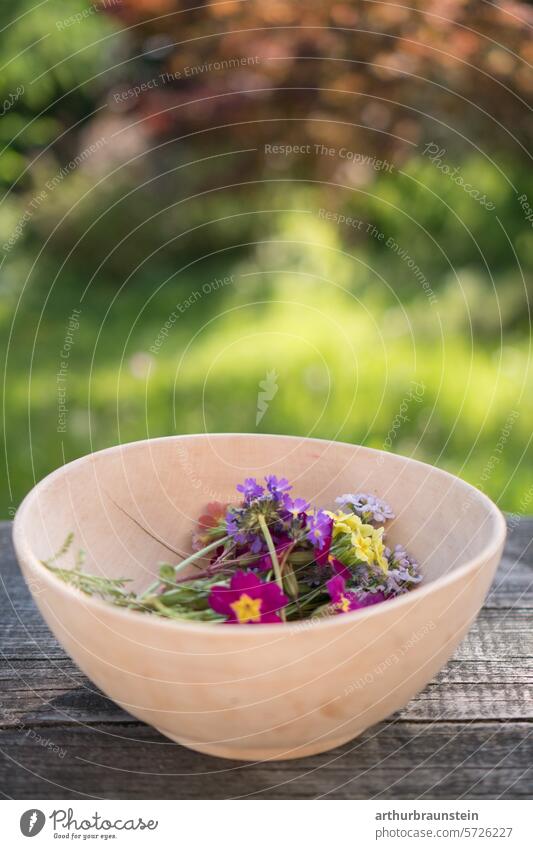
(24, 552)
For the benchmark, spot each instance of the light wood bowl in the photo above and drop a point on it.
(255, 692)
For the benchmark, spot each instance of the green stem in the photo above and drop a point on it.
(286, 569)
(273, 556)
(151, 589)
(301, 558)
(196, 555)
(303, 601)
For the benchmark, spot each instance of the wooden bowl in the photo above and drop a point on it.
(255, 692)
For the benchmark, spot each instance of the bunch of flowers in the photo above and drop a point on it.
(273, 558)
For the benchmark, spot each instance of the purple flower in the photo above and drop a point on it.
(277, 487)
(295, 506)
(256, 543)
(369, 508)
(236, 528)
(281, 544)
(367, 599)
(344, 600)
(319, 529)
(251, 489)
(233, 528)
(248, 600)
(403, 573)
(399, 558)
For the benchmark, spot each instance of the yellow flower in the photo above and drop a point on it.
(343, 604)
(247, 609)
(367, 541)
(345, 523)
(367, 530)
(379, 548)
(363, 547)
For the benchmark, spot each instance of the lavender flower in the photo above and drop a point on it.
(251, 490)
(295, 506)
(369, 508)
(233, 528)
(243, 522)
(238, 527)
(319, 529)
(403, 571)
(399, 559)
(256, 543)
(277, 487)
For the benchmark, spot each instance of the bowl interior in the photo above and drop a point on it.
(107, 498)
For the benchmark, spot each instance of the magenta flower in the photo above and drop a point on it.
(324, 557)
(319, 529)
(248, 600)
(368, 599)
(344, 600)
(338, 567)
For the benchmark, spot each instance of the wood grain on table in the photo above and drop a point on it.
(469, 734)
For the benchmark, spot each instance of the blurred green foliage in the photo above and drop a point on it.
(141, 231)
(57, 73)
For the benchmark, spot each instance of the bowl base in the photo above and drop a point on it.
(217, 750)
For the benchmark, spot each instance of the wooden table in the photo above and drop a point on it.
(469, 734)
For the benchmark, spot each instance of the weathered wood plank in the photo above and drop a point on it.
(405, 761)
(513, 584)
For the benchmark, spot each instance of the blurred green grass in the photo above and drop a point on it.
(346, 345)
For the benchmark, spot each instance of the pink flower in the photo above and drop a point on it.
(338, 567)
(344, 600)
(248, 600)
(212, 518)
